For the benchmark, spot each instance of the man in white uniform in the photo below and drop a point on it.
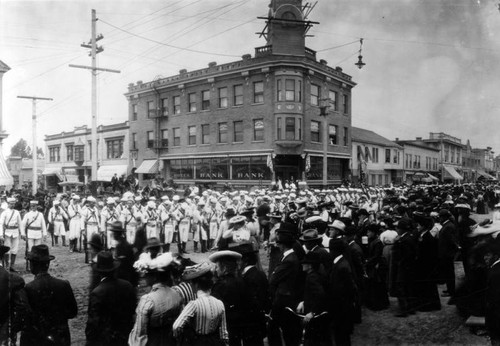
(33, 226)
(10, 232)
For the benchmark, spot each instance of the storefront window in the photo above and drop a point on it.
(316, 170)
(250, 168)
(335, 169)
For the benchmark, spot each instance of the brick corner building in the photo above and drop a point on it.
(277, 114)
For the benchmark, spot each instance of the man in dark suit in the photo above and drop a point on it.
(313, 243)
(447, 249)
(342, 293)
(124, 252)
(52, 303)
(111, 306)
(285, 288)
(404, 257)
(492, 313)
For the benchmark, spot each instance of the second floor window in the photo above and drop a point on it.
(114, 148)
(177, 137)
(151, 109)
(314, 95)
(387, 155)
(346, 136)
(223, 97)
(69, 152)
(192, 102)
(192, 135)
(177, 104)
(134, 112)
(258, 130)
(222, 133)
(238, 131)
(258, 92)
(150, 139)
(79, 153)
(54, 154)
(279, 90)
(238, 95)
(345, 103)
(164, 138)
(290, 129)
(315, 133)
(205, 100)
(332, 95)
(278, 127)
(375, 155)
(332, 134)
(205, 134)
(289, 90)
(134, 140)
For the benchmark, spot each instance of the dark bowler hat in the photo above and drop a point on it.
(243, 248)
(40, 253)
(96, 241)
(310, 235)
(3, 250)
(404, 224)
(117, 226)
(153, 242)
(247, 211)
(105, 262)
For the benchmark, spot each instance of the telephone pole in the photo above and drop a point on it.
(34, 182)
(94, 50)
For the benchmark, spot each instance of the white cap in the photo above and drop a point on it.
(151, 204)
(110, 200)
(165, 198)
(11, 200)
(175, 198)
(91, 199)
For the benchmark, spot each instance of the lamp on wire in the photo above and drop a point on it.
(360, 62)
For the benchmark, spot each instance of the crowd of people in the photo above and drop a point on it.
(329, 252)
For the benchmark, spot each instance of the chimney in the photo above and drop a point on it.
(397, 139)
(323, 62)
(419, 138)
(212, 64)
(183, 71)
(246, 57)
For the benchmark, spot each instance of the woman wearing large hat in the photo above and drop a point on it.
(158, 309)
(236, 233)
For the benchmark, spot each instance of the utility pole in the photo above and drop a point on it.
(94, 50)
(34, 182)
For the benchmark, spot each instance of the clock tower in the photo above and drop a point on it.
(286, 27)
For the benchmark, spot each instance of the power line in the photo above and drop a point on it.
(334, 47)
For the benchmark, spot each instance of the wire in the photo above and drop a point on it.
(334, 47)
(166, 44)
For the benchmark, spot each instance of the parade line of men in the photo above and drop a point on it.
(329, 253)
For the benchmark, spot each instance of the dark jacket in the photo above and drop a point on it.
(111, 313)
(492, 315)
(342, 292)
(405, 253)
(315, 296)
(13, 302)
(284, 283)
(448, 240)
(258, 285)
(52, 304)
(124, 252)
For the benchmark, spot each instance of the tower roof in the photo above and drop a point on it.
(3, 67)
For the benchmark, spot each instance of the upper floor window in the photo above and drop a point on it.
(332, 95)
(223, 97)
(79, 153)
(222, 133)
(345, 103)
(346, 136)
(164, 106)
(192, 102)
(151, 109)
(279, 129)
(314, 95)
(205, 134)
(258, 129)
(238, 95)
(258, 92)
(315, 132)
(164, 138)
(289, 90)
(192, 135)
(332, 134)
(238, 131)
(114, 148)
(177, 136)
(134, 112)
(177, 104)
(54, 154)
(134, 140)
(205, 100)
(150, 139)
(290, 128)
(387, 155)
(375, 155)
(69, 152)
(279, 90)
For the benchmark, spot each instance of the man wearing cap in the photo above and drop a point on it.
(57, 216)
(111, 305)
(150, 217)
(52, 303)
(90, 222)
(213, 215)
(33, 226)
(285, 286)
(10, 232)
(130, 220)
(75, 222)
(313, 243)
(108, 217)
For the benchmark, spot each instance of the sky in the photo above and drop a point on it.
(431, 65)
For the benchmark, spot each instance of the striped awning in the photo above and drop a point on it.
(5, 176)
(148, 167)
(451, 171)
(105, 173)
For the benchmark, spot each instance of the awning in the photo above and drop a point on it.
(53, 171)
(452, 172)
(432, 177)
(5, 176)
(486, 175)
(105, 173)
(71, 178)
(148, 167)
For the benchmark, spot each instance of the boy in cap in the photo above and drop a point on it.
(57, 216)
(10, 232)
(51, 300)
(108, 217)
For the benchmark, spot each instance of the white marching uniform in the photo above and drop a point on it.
(184, 221)
(90, 221)
(56, 217)
(10, 229)
(107, 218)
(199, 220)
(167, 222)
(130, 221)
(75, 221)
(150, 217)
(213, 220)
(34, 228)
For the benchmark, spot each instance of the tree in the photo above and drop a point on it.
(23, 150)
